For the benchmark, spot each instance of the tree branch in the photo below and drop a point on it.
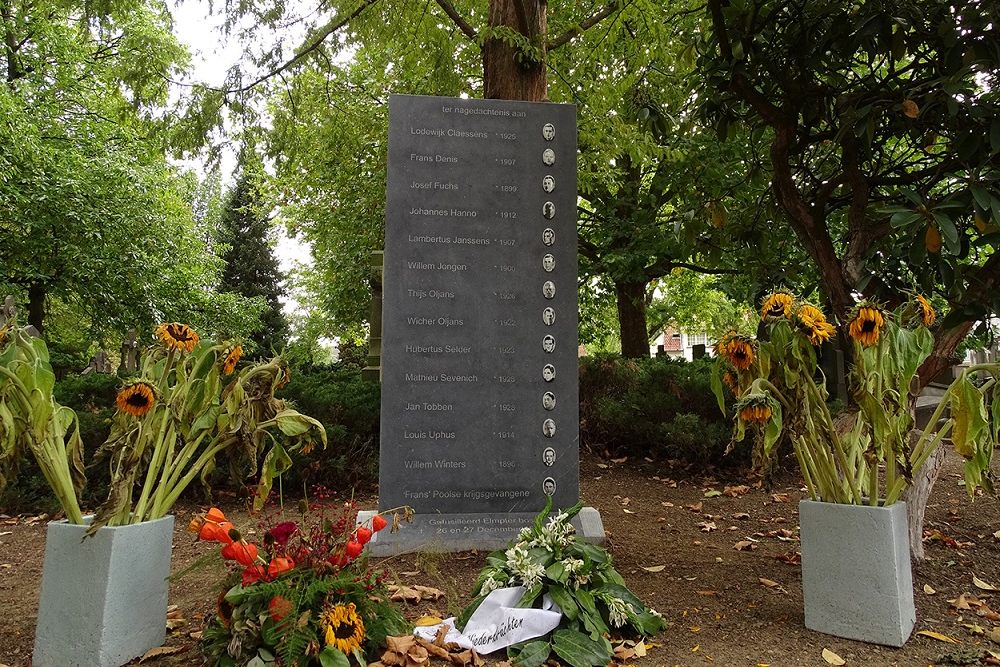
(584, 25)
(328, 30)
(457, 19)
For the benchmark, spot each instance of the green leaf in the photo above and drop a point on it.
(533, 654)
(969, 415)
(562, 597)
(579, 650)
(331, 657)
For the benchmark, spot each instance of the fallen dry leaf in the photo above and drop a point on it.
(425, 621)
(773, 586)
(666, 504)
(745, 545)
(938, 636)
(735, 491)
(996, 535)
(6, 532)
(979, 583)
(161, 650)
(779, 497)
(741, 516)
(712, 493)
(791, 558)
(655, 568)
(832, 658)
(696, 507)
(621, 460)
(928, 590)
(707, 526)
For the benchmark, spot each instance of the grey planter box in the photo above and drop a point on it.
(104, 600)
(856, 578)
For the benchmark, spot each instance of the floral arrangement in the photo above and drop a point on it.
(774, 381)
(547, 559)
(187, 406)
(306, 596)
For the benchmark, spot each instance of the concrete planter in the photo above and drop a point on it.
(104, 600)
(856, 579)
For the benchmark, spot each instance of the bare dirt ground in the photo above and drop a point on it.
(730, 585)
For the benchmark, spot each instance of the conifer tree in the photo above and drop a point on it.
(251, 266)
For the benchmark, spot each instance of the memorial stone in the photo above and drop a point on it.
(479, 419)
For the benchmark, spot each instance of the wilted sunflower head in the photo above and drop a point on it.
(927, 314)
(755, 408)
(866, 322)
(778, 304)
(723, 343)
(5, 330)
(740, 352)
(342, 627)
(136, 398)
(812, 322)
(284, 375)
(177, 336)
(233, 356)
(730, 379)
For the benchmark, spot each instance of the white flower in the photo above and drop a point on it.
(572, 565)
(531, 574)
(517, 557)
(490, 585)
(618, 610)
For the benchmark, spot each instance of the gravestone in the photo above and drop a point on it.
(479, 419)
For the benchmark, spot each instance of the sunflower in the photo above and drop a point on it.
(722, 344)
(777, 304)
(342, 627)
(927, 314)
(284, 376)
(812, 322)
(177, 336)
(136, 399)
(755, 408)
(866, 323)
(739, 351)
(730, 379)
(232, 358)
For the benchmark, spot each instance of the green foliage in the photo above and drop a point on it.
(652, 407)
(348, 408)
(547, 559)
(95, 218)
(883, 120)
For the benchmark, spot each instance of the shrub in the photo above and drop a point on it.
(659, 407)
(348, 406)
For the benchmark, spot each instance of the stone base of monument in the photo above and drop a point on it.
(442, 533)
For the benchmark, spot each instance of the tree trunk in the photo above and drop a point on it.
(918, 494)
(631, 298)
(509, 74)
(36, 306)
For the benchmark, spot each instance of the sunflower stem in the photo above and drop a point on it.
(154, 466)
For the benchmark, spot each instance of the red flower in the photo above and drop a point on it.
(242, 552)
(339, 559)
(253, 574)
(353, 549)
(363, 535)
(278, 565)
(379, 522)
(279, 607)
(216, 532)
(216, 515)
(283, 531)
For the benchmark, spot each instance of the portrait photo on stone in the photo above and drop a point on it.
(549, 289)
(549, 131)
(549, 210)
(548, 236)
(548, 456)
(549, 317)
(548, 183)
(548, 263)
(549, 486)
(549, 343)
(549, 400)
(548, 372)
(549, 428)
(548, 157)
